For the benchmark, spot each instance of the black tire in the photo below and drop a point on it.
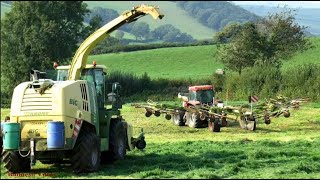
(224, 122)
(148, 113)
(178, 119)
(217, 126)
(86, 153)
(214, 126)
(254, 124)
(118, 142)
(286, 114)
(157, 113)
(168, 116)
(194, 120)
(15, 163)
(141, 144)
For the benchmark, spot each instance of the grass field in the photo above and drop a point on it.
(309, 56)
(172, 63)
(286, 148)
(184, 62)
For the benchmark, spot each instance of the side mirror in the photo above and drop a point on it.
(116, 88)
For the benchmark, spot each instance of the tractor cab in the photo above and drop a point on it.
(198, 95)
(201, 95)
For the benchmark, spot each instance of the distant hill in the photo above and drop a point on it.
(309, 17)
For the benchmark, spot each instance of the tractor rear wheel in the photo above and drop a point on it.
(14, 162)
(118, 142)
(194, 120)
(86, 154)
(178, 119)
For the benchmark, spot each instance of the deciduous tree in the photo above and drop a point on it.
(34, 34)
(267, 42)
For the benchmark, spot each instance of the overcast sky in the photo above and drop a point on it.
(291, 4)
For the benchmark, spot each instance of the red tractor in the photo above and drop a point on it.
(199, 96)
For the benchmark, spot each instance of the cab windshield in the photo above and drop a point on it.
(204, 96)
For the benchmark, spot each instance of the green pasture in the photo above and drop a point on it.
(310, 56)
(170, 63)
(195, 62)
(286, 148)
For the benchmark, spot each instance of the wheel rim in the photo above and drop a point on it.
(176, 118)
(193, 117)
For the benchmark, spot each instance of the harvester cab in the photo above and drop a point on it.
(66, 120)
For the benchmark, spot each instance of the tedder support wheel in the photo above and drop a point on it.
(178, 119)
(14, 162)
(118, 142)
(214, 126)
(249, 123)
(86, 153)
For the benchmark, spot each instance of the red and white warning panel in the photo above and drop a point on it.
(254, 98)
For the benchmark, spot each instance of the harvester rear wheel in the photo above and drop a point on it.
(118, 142)
(178, 119)
(14, 162)
(86, 154)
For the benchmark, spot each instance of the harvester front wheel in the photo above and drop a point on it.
(14, 162)
(86, 154)
(118, 141)
(178, 119)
